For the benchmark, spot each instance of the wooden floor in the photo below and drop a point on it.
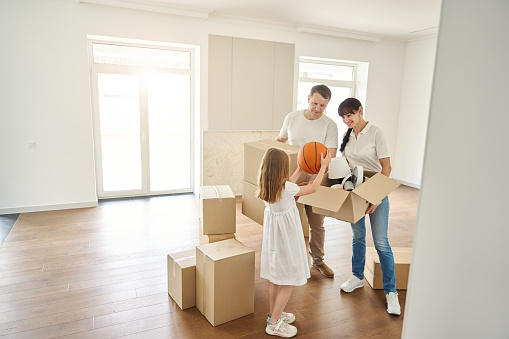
(101, 273)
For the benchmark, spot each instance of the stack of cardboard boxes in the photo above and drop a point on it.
(217, 276)
(253, 207)
(217, 214)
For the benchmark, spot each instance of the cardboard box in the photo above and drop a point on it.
(182, 278)
(253, 208)
(254, 152)
(218, 209)
(225, 281)
(349, 206)
(212, 238)
(373, 271)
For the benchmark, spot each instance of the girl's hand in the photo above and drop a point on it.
(371, 208)
(325, 161)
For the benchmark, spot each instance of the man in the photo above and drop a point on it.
(299, 128)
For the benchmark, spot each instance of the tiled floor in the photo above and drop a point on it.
(6, 223)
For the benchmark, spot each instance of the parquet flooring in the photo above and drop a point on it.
(101, 273)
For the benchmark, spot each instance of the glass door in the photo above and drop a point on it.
(142, 121)
(169, 111)
(119, 133)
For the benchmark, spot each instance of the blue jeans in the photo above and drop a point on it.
(379, 225)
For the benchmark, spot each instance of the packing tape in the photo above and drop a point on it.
(203, 284)
(184, 258)
(218, 194)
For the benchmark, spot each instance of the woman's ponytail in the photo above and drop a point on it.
(345, 140)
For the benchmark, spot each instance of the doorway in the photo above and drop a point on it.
(142, 112)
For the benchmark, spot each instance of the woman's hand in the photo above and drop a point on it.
(371, 208)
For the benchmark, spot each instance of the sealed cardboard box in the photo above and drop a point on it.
(212, 238)
(253, 208)
(373, 271)
(254, 152)
(349, 206)
(182, 278)
(217, 209)
(225, 281)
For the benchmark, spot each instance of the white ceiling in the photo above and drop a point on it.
(390, 19)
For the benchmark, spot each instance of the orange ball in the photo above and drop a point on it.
(308, 157)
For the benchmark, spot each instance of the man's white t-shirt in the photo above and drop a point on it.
(299, 130)
(367, 148)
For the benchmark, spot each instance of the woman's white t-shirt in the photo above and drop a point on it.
(367, 148)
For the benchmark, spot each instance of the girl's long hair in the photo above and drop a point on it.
(274, 172)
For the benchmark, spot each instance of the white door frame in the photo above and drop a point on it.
(95, 69)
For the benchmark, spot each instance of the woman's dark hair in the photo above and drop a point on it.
(349, 105)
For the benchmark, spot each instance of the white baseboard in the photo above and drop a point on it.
(402, 182)
(43, 208)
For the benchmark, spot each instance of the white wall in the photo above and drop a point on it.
(459, 279)
(45, 92)
(414, 111)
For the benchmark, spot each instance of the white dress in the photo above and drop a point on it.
(284, 258)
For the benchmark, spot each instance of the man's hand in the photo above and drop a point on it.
(281, 139)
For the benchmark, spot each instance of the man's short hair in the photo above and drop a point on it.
(323, 90)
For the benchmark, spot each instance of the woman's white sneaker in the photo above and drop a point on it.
(352, 284)
(393, 303)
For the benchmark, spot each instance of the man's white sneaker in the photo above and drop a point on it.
(352, 284)
(281, 328)
(393, 303)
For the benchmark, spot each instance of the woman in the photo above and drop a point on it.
(364, 145)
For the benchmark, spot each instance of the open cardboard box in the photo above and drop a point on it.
(349, 206)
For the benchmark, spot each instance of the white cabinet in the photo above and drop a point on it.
(250, 83)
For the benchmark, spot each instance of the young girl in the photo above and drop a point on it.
(364, 145)
(284, 259)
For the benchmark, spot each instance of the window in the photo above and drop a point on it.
(344, 79)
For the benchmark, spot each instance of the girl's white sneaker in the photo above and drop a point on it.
(281, 328)
(287, 316)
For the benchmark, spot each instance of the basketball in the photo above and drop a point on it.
(309, 157)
